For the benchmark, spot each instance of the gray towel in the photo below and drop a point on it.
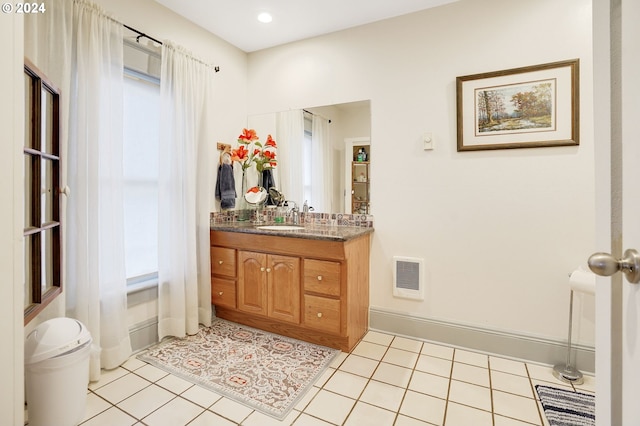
(226, 187)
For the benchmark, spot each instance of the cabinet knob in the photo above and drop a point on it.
(319, 277)
(268, 269)
(262, 269)
(220, 294)
(220, 262)
(319, 314)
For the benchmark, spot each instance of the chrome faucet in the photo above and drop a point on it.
(295, 214)
(294, 211)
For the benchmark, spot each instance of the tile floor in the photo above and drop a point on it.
(385, 380)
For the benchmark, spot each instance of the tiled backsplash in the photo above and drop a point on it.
(312, 218)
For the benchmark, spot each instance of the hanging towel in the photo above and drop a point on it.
(268, 183)
(226, 187)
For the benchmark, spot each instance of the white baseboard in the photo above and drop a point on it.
(510, 345)
(144, 334)
(500, 343)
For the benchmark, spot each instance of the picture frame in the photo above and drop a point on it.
(528, 107)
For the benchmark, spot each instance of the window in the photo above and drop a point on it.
(42, 193)
(141, 136)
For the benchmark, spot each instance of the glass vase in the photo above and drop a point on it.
(244, 211)
(258, 218)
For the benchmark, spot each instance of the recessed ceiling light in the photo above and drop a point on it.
(265, 17)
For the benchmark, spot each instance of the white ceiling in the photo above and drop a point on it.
(236, 20)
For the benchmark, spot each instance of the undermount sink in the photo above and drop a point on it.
(280, 227)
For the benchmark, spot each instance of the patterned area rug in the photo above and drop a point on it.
(264, 371)
(567, 408)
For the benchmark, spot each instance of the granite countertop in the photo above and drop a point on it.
(309, 231)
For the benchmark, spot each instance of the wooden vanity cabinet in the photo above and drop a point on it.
(308, 289)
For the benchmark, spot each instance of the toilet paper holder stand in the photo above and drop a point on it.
(567, 372)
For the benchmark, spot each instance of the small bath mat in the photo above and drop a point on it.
(567, 408)
(264, 371)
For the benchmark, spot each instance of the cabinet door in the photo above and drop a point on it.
(252, 282)
(283, 277)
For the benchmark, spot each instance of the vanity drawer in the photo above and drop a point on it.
(223, 262)
(322, 313)
(322, 277)
(223, 292)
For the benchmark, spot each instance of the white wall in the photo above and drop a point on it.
(499, 230)
(11, 220)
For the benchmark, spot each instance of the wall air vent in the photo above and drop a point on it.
(408, 277)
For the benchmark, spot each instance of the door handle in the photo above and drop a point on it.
(606, 265)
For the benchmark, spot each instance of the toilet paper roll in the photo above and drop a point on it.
(583, 280)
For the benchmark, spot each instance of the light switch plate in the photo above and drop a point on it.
(427, 139)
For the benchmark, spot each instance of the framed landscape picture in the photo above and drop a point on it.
(528, 107)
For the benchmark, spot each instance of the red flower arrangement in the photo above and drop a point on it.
(264, 156)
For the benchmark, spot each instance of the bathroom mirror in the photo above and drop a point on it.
(347, 121)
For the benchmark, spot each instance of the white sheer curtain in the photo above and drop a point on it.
(290, 131)
(321, 172)
(47, 43)
(184, 288)
(95, 265)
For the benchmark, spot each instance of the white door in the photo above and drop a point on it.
(616, 115)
